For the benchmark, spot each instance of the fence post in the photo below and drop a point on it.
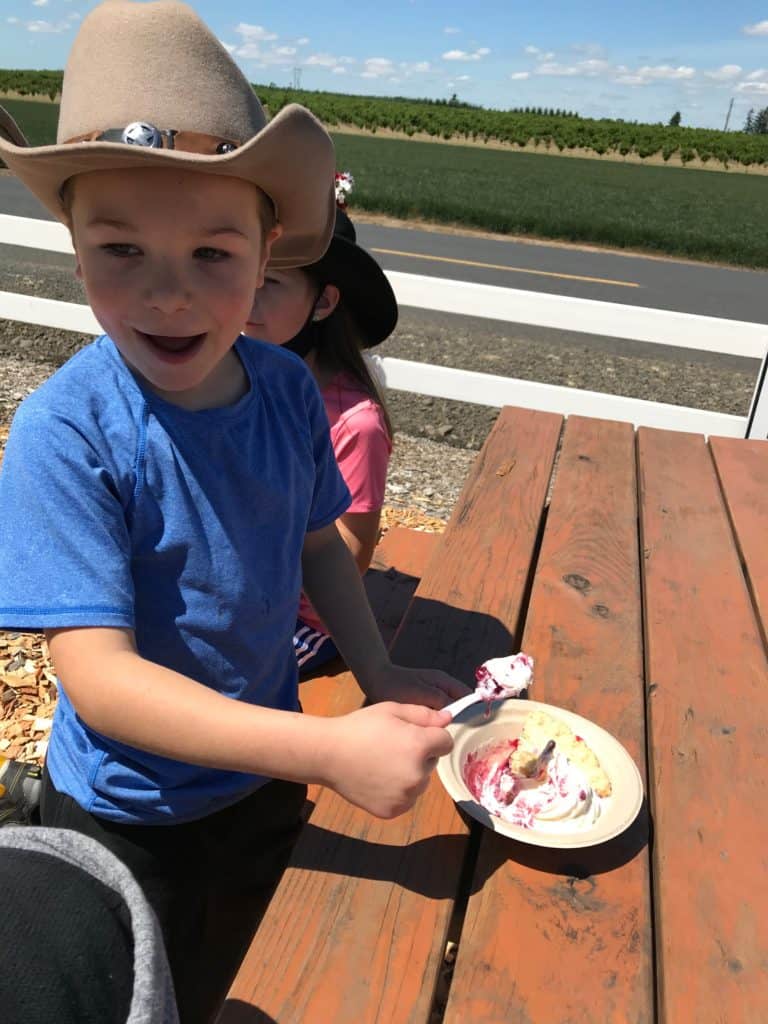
(757, 421)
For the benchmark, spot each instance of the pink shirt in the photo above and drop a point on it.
(362, 448)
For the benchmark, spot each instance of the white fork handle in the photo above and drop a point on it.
(463, 702)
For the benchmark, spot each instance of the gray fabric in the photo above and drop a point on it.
(153, 999)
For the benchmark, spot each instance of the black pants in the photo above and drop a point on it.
(208, 881)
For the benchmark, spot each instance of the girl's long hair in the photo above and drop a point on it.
(339, 349)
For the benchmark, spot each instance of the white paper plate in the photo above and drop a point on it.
(471, 730)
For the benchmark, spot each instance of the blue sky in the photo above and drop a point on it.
(602, 59)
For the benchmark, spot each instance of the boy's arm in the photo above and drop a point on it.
(379, 758)
(333, 585)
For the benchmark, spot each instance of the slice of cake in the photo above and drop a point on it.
(540, 727)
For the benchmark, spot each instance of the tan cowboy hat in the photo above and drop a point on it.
(148, 85)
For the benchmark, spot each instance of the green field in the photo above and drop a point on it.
(699, 214)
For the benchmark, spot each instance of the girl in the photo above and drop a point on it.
(329, 313)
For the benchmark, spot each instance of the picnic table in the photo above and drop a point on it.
(633, 566)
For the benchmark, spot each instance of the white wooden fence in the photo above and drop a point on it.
(587, 316)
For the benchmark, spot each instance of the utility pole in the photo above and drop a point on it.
(297, 78)
(728, 115)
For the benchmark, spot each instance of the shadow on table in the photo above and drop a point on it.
(235, 1011)
(591, 860)
(429, 867)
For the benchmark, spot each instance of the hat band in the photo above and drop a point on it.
(146, 135)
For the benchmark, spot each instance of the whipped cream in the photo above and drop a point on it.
(560, 800)
(500, 678)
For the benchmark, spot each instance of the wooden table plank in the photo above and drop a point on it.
(537, 946)
(742, 467)
(398, 563)
(708, 722)
(356, 930)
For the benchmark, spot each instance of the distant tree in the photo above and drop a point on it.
(757, 122)
(674, 121)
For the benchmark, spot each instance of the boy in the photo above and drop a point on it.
(173, 483)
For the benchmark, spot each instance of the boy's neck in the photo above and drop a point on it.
(225, 385)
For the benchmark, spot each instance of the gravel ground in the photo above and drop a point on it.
(436, 438)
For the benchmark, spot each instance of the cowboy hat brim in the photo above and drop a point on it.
(291, 159)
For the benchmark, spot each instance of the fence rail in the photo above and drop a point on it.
(680, 330)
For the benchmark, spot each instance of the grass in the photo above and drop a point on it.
(37, 120)
(696, 214)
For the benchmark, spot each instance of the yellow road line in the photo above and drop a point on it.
(512, 270)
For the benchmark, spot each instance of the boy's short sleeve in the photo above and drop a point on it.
(64, 545)
(331, 496)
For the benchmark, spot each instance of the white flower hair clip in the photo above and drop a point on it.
(344, 185)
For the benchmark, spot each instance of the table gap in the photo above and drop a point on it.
(459, 913)
(761, 626)
(648, 746)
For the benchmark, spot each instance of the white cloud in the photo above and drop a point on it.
(322, 60)
(478, 54)
(377, 67)
(520, 76)
(464, 78)
(48, 26)
(599, 68)
(759, 29)
(257, 44)
(450, 31)
(534, 51)
(753, 88)
(660, 73)
(590, 49)
(304, 41)
(581, 69)
(725, 73)
(39, 3)
(338, 70)
(254, 33)
(757, 76)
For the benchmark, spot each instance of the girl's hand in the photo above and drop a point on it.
(382, 756)
(428, 686)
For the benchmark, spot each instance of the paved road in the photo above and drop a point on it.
(559, 270)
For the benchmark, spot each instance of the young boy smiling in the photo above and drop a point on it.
(184, 484)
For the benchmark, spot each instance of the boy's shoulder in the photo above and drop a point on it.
(283, 375)
(92, 386)
(274, 358)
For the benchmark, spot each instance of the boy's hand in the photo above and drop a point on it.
(428, 686)
(383, 755)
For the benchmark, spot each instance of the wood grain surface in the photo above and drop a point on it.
(566, 936)
(708, 722)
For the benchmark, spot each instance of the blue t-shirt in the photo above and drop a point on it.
(120, 509)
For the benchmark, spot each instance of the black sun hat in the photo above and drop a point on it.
(365, 291)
